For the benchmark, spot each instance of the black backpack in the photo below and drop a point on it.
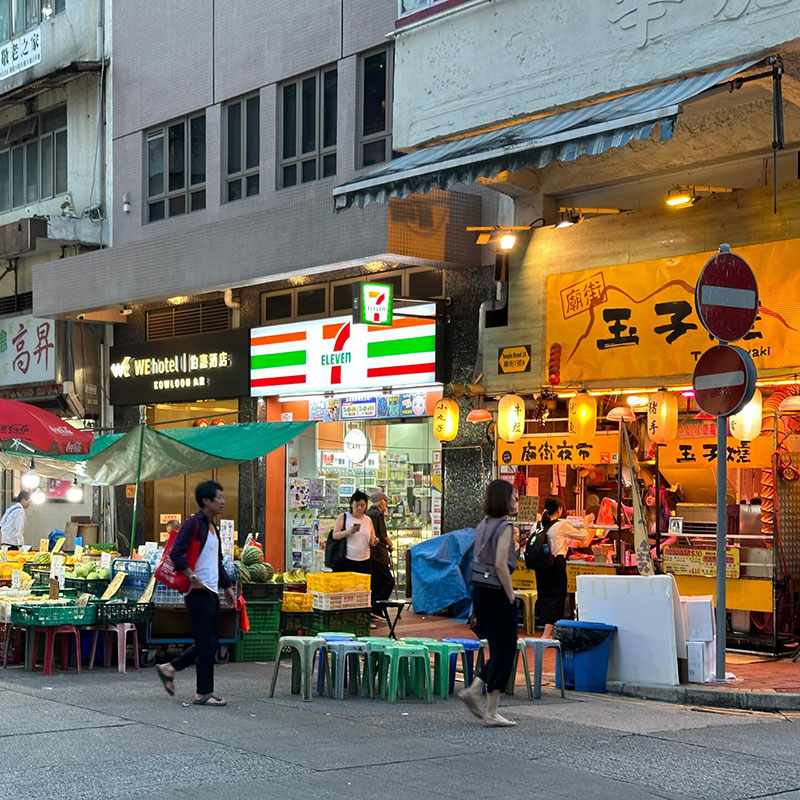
(537, 550)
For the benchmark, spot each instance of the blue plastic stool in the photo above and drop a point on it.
(341, 653)
(471, 646)
(328, 637)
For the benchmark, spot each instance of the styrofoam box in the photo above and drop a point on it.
(702, 661)
(698, 618)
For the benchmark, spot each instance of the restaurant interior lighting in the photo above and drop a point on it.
(684, 195)
(636, 400)
(30, 480)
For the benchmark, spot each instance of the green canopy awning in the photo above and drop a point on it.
(114, 458)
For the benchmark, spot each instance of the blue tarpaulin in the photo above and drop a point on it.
(439, 573)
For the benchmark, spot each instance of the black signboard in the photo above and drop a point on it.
(202, 367)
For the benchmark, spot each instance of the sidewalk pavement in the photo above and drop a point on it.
(761, 683)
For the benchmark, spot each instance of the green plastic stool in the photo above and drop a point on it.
(410, 654)
(375, 665)
(418, 640)
(340, 634)
(303, 649)
(441, 652)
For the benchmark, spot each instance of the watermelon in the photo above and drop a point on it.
(259, 573)
(269, 569)
(251, 555)
(242, 571)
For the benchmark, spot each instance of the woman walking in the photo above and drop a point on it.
(495, 608)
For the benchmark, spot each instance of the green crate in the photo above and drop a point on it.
(353, 620)
(262, 591)
(256, 647)
(265, 617)
(44, 615)
(95, 586)
(296, 623)
(115, 613)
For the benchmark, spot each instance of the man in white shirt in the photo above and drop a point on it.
(12, 524)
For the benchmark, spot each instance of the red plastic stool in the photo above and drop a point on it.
(50, 633)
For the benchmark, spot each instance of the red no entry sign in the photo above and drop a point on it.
(724, 380)
(726, 296)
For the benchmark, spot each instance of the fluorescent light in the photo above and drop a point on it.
(635, 400)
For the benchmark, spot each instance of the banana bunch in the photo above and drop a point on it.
(293, 576)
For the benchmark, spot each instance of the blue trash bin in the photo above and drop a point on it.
(586, 647)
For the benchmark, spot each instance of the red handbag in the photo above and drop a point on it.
(165, 571)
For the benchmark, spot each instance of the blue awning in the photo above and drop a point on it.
(589, 130)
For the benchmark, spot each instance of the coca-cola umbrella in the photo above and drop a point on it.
(26, 429)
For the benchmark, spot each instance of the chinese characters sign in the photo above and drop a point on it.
(559, 449)
(703, 453)
(27, 350)
(700, 561)
(20, 53)
(211, 365)
(638, 320)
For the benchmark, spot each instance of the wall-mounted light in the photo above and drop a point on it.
(126, 203)
(572, 215)
(501, 237)
(126, 311)
(685, 195)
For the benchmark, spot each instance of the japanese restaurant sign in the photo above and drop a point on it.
(27, 350)
(206, 366)
(638, 320)
(20, 53)
(559, 449)
(703, 453)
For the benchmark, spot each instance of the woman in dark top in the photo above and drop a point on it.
(496, 609)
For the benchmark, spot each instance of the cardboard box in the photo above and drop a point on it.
(702, 661)
(87, 531)
(698, 618)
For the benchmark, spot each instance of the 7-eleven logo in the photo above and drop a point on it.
(340, 333)
(376, 303)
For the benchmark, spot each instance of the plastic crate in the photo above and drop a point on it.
(296, 623)
(262, 591)
(341, 600)
(335, 582)
(354, 621)
(111, 613)
(264, 616)
(85, 586)
(48, 614)
(164, 596)
(295, 601)
(256, 647)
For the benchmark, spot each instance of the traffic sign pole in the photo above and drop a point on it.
(722, 541)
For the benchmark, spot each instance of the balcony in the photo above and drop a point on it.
(409, 11)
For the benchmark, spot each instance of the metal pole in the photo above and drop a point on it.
(619, 498)
(722, 523)
(136, 496)
(657, 508)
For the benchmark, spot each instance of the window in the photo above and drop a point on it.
(242, 148)
(176, 168)
(33, 159)
(312, 301)
(276, 306)
(375, 107)
(425, 284)
(18, 16)
(307, 138)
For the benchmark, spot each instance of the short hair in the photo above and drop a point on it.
(23, 495)
(357, 496)
(173, 523)
(497, 502)
(207, 490)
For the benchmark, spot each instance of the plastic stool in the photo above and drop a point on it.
(409, 653)
(539, 646)
(471, 647)
(341, 653)
(527, 598)
(122, 629)
(418, 640)
(443, 655)
(50, 632)
(522, 648)
(303, 651)
(9, 632)
(337, 634)
(375, 664)
(328, 636)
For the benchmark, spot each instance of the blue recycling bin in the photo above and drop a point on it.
(585, 647)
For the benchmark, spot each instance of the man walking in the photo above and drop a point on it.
(206, 577)
(382, 578)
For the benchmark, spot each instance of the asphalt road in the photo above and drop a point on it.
(106, 735)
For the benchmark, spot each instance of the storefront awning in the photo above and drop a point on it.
(589, 130)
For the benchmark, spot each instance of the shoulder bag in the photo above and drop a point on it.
(482, 574)
(165, 571)
(335, 549)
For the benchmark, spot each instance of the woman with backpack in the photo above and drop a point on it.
(494, 603)
(546, 553)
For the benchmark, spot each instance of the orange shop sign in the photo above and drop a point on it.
(559, 449)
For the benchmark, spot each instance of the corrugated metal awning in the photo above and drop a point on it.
(589, 130)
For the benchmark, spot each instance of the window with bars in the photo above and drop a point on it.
(176, 168)
(18, 16)
(376, 78)
(33, 159)
(175, 321)
(242, 153)
(307, 127)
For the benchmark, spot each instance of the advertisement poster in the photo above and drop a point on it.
(298, 493)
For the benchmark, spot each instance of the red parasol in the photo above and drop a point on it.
(27, 429)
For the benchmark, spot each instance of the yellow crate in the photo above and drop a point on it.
(335, 582)
(297, 601)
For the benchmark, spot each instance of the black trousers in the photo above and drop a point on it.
(346, 565)
(203, 608)
(382, 585)
(551, 585)
(498, 620)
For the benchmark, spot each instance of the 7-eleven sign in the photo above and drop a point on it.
(376, 303)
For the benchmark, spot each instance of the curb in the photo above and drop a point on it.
(701, 696)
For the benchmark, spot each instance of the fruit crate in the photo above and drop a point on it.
(334, 582)
(296, 623)
(341, 600)
(256, 647)
(355, 620)
(46, 614)
(295, 601)
(262, 591)
(164, 596)
(264, 616)
(94, 586)
(137, 576)
(112, 613)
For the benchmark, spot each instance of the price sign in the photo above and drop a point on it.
(147, 594)
(44, 545)
(78, 551)
(16, 578)
(105, 560)
(113, 587)
(226, 536)
(5, 553)
(56, 563)
(54, 590)
(59, 545)
(528, 508)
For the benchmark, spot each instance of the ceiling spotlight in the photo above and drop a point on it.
(30, 480)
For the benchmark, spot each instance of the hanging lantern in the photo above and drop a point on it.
(445, 420)
(662, 417)
(582, 416)
(510, 417)
(746, 425)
